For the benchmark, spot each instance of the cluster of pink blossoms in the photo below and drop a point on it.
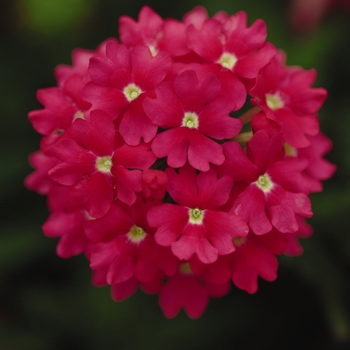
(157, 174)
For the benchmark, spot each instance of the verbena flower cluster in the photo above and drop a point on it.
(180, 158)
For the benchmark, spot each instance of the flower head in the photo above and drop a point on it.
(151, 173)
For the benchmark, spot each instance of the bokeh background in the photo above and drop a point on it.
(49, 303)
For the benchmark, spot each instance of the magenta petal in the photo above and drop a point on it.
(267, 267)
(128, 182)
(68, 151)
(218, 272)
(251, 205)
(136, 125)
(174, 39)
(103, 253)
(69, 174)
(221, 228)
(71, 245)
(309, 101)
(97, 133)
(243, 40)
(108, 99)
(166, 110)
(107, 73)
(318, 168)
(264, 151)
(237, 164)
(123, 290)
(70, 227)
(310, 124)
(182, 187)
(251, 261)
(213, 192)
(39, 180)
(195, 94)
(57, 114)
(283, 218)
(283, 206)
(249, 66)
(300, 203)
(98, 193)
(45, 121)
(206, 42)
(196, 17)
(202, 151)
(244, 276)
(193, 240)
(152, 258)
(215, 122)
(170, 221)
(115, 222)
(53, 97)
(118, 57)
(172, 143)
(289, 174)
(121, 269)
(292, 128)
(183, 292)
(232, 89)
(148, 70)
(137, 157)
(135, 33)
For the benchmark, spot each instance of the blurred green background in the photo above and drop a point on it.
(49, 303)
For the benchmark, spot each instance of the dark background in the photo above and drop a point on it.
(49, 303)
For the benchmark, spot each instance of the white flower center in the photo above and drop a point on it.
(227, 60)
(190, 120)
(104, 164)
(153, 49)
(274, 101)
(136, 234)
(131, 92)
(264, 183)
(196, 216)
(78, 114)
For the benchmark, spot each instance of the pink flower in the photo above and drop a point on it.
(229, 43)
(195, 226)
(123, 241)
(272, 194)
(254, 256)
(286, 97)
(61, 107)
(121, 81)
(193, 113)
(96, 162)
(63, 104)
(151, 30)
(185, 290)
